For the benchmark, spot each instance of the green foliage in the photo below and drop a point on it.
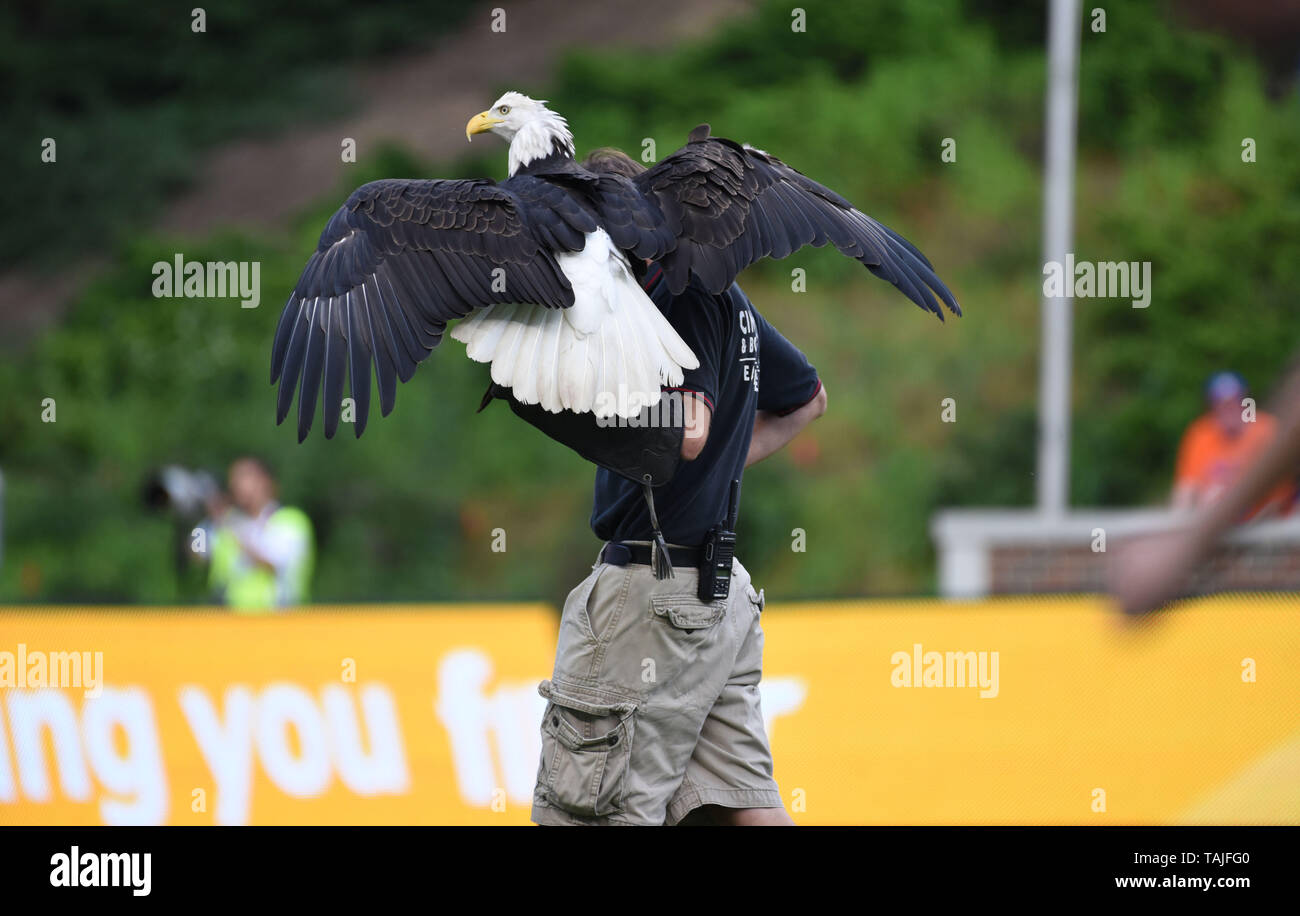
(862, 102)
(132, 95)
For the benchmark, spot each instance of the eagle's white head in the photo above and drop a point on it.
(533, 130)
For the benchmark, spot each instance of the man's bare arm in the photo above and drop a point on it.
(1152, 571)
(772, 432)
(698, 417)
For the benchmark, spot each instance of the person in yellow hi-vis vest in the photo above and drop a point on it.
(262, 553)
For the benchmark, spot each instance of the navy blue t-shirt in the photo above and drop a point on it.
(732, 341)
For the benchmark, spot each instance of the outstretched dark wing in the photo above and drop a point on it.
(728, 205)
(397, 262)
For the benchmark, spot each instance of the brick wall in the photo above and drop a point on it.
(991, 552)
(1065, 568)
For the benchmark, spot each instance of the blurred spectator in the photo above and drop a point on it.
(262, 553)
(1154, 570)
(1220, 444)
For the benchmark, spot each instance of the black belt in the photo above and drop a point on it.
(617, 553)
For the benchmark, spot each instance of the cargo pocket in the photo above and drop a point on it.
(575, 605)
(687, 613)
(684, 641)
(586, 746)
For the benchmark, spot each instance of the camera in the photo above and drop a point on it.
(182, 491)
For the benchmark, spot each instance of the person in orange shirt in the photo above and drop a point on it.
(1150, 571)
(1220, 444)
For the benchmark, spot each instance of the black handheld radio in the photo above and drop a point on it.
(717, 552)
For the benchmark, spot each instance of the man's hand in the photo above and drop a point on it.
(218, 504)
(1149, 572)
(772, 432)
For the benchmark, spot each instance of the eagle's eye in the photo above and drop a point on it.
(504, 109)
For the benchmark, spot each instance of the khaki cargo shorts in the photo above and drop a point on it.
(653, 707)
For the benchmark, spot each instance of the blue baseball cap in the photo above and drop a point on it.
(1224, 386)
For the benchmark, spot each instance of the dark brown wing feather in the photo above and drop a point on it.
(726, 206)
(397, 262)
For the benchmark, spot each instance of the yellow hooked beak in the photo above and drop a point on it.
(481, 122)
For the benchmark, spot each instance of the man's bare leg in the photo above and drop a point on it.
(720, 816)
(755, 817)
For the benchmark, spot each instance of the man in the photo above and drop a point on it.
(261, 552)
(1219, 445)
(653, 714)
(1152, 571)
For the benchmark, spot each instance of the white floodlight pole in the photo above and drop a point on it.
(1058, 238)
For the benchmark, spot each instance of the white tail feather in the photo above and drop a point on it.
(507, 352)
(548, 359)
(608, 353)
(526, 382)
(488, 327)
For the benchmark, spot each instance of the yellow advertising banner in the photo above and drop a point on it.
(1014, 711)
(1191, 717)
(358, 716)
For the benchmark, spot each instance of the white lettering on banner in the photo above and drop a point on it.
(31, 715)
(135, 778)
(383, 771)
(511, 716)
(8, 788)
(328, 736)
(780, 696)
(283, 711)
(227, 749)
(302, 740)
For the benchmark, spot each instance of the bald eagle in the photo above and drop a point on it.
(539, 267)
